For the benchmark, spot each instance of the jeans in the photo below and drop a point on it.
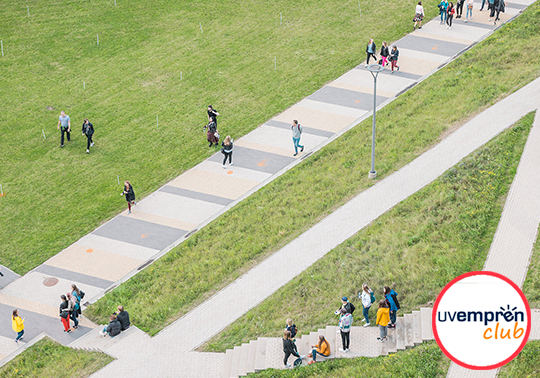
(227, 155)
(469, 12)
(73, 316)
(383, 331)
(369, 55)
(62, 135)
(483, 2)
(89, 141)
(366, 314)
(393, 315)
(460, 8)
(314, 352)
(345, 339)
(105, 331)
(384, 60)
(297, 145)
(19, 335)
(449, 20)
(443, 16)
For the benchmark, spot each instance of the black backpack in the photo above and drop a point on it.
(394, 297)
(352, 307)
(297, 362)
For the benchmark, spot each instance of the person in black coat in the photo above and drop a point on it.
(123, 317)
(289, 347)
(212, 114)
(130, 195)
(384, 54)
(113, 329)
(88, 130)
(394, 55)
(371, 48)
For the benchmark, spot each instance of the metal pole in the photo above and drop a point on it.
(374, 72)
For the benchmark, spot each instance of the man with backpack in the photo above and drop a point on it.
(348, 306)
(345, 323)
(392, 301)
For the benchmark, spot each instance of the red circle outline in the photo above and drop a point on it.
(434, 318)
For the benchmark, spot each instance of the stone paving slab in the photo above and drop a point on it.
(92, 241)
(345, 97)
(359, 77)
(196, 195)
(430, 45)
(462, 32)
(139, 214)
(428, 57)
(256, 161)
(356, 112)
(70, 275)
(305, 129)
(364, 89)
(315, 119)
(265, 148)
(9, 276)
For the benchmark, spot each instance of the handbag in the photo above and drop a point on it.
(216, 134)
(469, 6)
(64, 314)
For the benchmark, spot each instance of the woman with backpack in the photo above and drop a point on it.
(296, 134)
(392, 301)
(226, 149)
(367, 297)
(450, 15)
(322, 348)
(130, 195)
(289, 347)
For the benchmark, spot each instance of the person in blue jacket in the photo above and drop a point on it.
(391, 299)
(443, 7)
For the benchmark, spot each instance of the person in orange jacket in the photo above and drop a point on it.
(18, 325)
(322, 349)
(383, 318)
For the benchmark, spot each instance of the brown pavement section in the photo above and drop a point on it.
(315, 118)
(357, 88)
(136, 213)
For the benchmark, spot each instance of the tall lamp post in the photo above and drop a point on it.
(374, 69)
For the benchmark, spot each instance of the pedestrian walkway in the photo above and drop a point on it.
(121, 247)
(186, 334)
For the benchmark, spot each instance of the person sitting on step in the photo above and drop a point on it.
(123, 317)
(322, 349)
(113, 329)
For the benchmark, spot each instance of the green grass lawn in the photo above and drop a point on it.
(151, 60)
(285, 208)
(525, 365)
(424, 361)
(531, 286)
(419, 246)
(47, 358)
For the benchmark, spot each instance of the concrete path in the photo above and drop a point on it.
(513, 243)
(179, 339)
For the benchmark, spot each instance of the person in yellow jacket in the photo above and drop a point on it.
(321, 349)
(18, 325)
(383, 318)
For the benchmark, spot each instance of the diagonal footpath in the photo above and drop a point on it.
(176, 342)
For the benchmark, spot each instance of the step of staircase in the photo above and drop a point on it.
(250, 364)
(417, 328)
(242, 366)
(93, 340)
(260, 354)
(274, 354)
(400, 333)
(235, 361)
(408, 331)
(391, 343)
(226, 372)
(427, 332)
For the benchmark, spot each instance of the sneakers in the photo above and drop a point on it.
(310, 355)
(311, 362)
(295, 154)
(87, 151)
(224, 167)
(230, 163)
(302, 356)
(91, 144)
(288, 366)
(450, 28)
(343, 350)
(129, 211)
(302, 149)
(364, 319)
(419, 27)
(68, 331)
(367, 325)
(22, 337)
(61, 145)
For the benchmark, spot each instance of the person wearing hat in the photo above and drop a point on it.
(348, 306)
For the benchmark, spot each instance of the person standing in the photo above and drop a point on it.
(296, 134)
(123, 317)
(482, 7)
(322, 348)
(459, 8)
(384, 54)
(345, 323)
(367, 297)
(64, 313)
(370, 51)
(212, 115)
(130, 195)
(382, 320)
(500, 8)
(291, 327)
(212, 135)
(226, 149)
(64, 125)
(418, 17)
(88, 130)
(443, 6)
(73, 310)
(289, 347)
(468, 14)
(450, 15)
(346, 305)
(17, 324)
(494, 12)
(391, 299)
(394, 55)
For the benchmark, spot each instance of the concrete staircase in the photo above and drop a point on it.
(265, 352)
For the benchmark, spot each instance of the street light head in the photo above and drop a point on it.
(376, 68)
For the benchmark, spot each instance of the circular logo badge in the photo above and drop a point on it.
(481, 320)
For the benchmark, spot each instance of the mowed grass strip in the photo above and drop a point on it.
(531, 286)
(424, 361)
(152, 60)
(47, 358)
(416, 248)
(282, 210)
(525, 365)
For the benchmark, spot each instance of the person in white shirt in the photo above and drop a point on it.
(419, 16)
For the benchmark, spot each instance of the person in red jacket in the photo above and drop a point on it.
(450, 15)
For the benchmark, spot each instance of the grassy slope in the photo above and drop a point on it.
(419, 246)
(525, 365)
(425, 361)
(48, 358)
(531, 286)
(54, 196)
(282, 210)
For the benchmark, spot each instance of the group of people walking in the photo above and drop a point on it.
(447, 10)
(387, 56)
(64, 125)
(70, 308)
(386, 318)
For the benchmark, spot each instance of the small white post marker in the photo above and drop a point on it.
(84, 85)
(359, 10)
(114, 2)
(275, 63)
(280, 17)
(43, 131)
(1, 191)
(118, 179)
(201, 27)
(97, 35)
(2, 45)
(28, 9)
(157, 120)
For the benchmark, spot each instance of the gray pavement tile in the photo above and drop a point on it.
(9, 276)
(256, 160)
(461, 21)
(345, 97)
(73, 276)
(307, 130)
(433, 46)
(36, 323)
(195, 195)
(135, 231)
(516, 5)
(388, 72)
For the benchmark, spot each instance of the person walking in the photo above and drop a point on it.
(73, 310)
(296, 134)
(450, 15)
(459, 8)
(64, 125)
(501, 6)
(370, 51)
(212, 114)
(345, 323)
(367, 297)
(382, 320)
(394, 55)
(443, 6)
(123, 317)
(130, 195)
(64, 313)
(291, 327)
(212, 134)
(391, 299)
(226, 149)
(468, 14)
(482, 7)
(88, 130)
(17, 323)
(289, 347)
(490, 6)
(322, 348)
(494, 14)
(419, 16)
(384, 54)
